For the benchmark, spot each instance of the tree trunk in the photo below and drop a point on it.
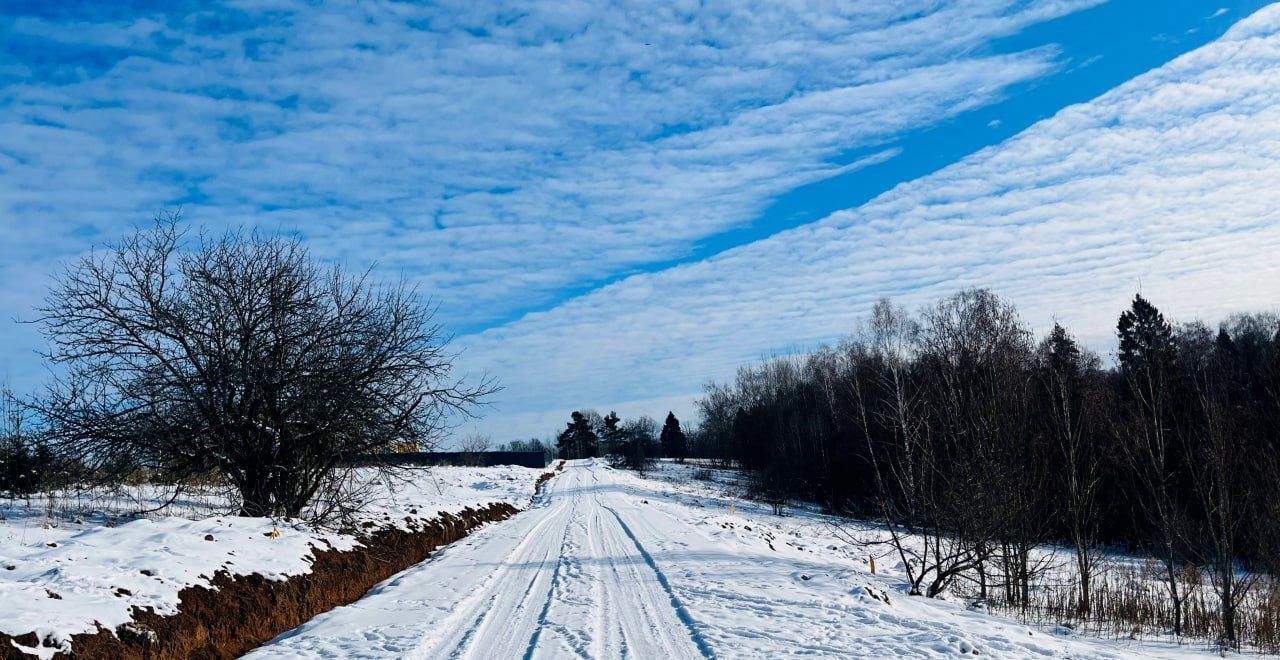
(1082, 565)
(1174, 595)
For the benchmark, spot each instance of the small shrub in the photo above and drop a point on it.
(25, 467)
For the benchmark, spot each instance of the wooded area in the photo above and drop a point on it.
(974, 442)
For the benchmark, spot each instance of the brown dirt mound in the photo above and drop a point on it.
(247, 611)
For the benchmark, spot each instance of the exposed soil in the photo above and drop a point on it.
(246, 611)
(542, 479)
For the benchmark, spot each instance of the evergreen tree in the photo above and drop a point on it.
(25, 466)
(674, 443)
(1063, 355)
(578, 439)
(610, 433)
(1146, 341)
(26, 463)
(1225, 344)
(636, 445)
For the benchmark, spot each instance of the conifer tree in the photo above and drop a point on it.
(674, 443)
(610, 433)
(578, 439)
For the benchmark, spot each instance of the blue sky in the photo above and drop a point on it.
(614, 202)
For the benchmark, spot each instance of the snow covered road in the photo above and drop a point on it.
(609, 565)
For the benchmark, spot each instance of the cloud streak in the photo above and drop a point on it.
(1164, 184)
(497, 153)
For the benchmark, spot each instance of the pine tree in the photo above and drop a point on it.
(674, 443)
(1146, 341)
(1225, 344)
(578, 439)
(610, 434)
(1063, 354)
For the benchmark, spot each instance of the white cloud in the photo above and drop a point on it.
(1166, 183)
(496, 152)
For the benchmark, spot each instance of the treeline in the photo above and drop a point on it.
(632, 444)
(975, 442)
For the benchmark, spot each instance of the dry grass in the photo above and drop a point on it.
(1131, 601)
(115, 504)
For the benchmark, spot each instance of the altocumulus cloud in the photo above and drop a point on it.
(498, 153)
(1166, 183)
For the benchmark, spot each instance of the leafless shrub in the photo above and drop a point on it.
(473, 447)
(1131, 601)
(240, 354)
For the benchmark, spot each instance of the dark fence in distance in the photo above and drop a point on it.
(532, 459)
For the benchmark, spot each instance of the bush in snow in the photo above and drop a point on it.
(631, 445)
(240, 354)
(26, 464)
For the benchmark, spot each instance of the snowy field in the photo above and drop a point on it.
(608, 564)
(69, 564)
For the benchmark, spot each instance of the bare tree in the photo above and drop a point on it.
(241, 354)
(886, 404)
(474, 446)
(973, 350)
(1221, 465)
(1148, 365)
(941, 408)
(1070, 390)
(716, 412)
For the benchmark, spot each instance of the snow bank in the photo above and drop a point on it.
(74, 578)
(764, 583)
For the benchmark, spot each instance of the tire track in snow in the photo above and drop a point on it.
(612, 604)
(590, 567)
(473, 618)
(484, 642)
(673, 602)
(636, 612)
(551, 591)
(608, 640)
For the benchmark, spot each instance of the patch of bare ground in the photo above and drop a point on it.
(243, 612)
